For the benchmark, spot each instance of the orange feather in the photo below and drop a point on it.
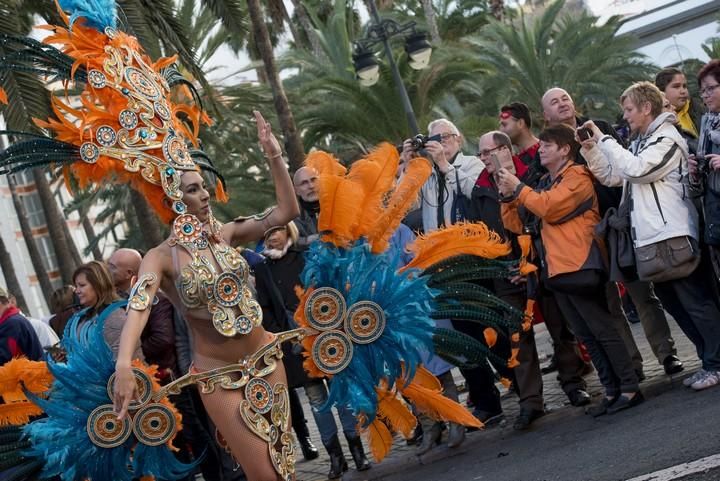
(396, 413)
(463, 238)
(490, 336)
(324, 163)
(18, 413)
(425, 378)
(402, 199)
(379, 439)
(437, 406)
(376, 173)
(3, 96)
(339, 212)
(33, 374)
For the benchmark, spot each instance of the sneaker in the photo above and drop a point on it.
(710, 379)
(687, 382)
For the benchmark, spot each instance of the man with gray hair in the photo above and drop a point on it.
(444, 195)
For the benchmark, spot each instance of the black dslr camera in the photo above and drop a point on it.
(703, 169)
(420, 140)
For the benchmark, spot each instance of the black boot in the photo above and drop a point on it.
(338, 465)
(358, 453)
(308, 449)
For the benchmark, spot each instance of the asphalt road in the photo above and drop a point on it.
(670, 428)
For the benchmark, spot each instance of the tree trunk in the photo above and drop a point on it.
(308, 28)
(148, 221)
(299, 41)
(293, 144)
(33, 251)
(11, 281)
(66, 251)
(431, 20)
(90, 234)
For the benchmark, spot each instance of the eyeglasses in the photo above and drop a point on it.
(707, 91)
(485, 153)
(444, 137)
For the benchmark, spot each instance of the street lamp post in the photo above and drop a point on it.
(367, 68)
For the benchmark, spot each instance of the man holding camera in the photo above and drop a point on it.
(444, 197)
(559, 108)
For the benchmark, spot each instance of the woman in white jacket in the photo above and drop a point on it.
(654, 175)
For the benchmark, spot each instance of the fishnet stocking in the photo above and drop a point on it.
(249, 450)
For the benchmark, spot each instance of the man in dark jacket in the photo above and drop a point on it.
(485, 207)
(17, 337)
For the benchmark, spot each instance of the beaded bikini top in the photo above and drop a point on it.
(216, 277)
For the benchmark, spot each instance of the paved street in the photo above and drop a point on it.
(674, 426)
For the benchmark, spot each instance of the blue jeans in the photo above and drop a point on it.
(317, 394)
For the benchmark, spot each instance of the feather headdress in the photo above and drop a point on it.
(124, 126)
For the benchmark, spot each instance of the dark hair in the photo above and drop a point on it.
(665, 76)
(519, 111)
(711, 69)
(61, 299)
(101, 281)
(562, 135)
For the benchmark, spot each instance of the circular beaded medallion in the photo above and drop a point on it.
(162, 110)
(128, 119)
(89, 152)
(243, 325)
(106, 136)
(141, 83)
(187, 228)
(365, 322)
(325, 308)
(260, 395)
(104, 429)
(144, 388)
(175, 151)
(332, 351)
(154, 424)
(228, 289)
(96, 78)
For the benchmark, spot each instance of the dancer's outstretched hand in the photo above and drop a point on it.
(268, 142)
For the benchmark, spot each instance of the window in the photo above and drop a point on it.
(47, 252)
(33, 210)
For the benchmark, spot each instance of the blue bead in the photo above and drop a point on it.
(125, 90)
(170, 171)
(143, 134)
(187, 228)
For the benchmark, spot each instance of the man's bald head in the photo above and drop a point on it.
(558, 107)
(124, 264)
(305, 181)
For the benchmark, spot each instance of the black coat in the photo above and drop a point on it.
(275, 319)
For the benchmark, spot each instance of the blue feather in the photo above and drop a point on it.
(80, 385)
(98, 14)
(407, 302)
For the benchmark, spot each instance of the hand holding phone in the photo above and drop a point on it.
(584, 133)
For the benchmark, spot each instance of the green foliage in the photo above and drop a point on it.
(573, 52)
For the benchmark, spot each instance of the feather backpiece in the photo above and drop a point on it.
(18, 375)
(61, 439)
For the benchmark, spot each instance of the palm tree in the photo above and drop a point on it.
(337, 112)
(293, 142)
(573, 52)
(11, 280)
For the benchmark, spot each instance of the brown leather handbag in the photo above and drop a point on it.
(667, 260)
